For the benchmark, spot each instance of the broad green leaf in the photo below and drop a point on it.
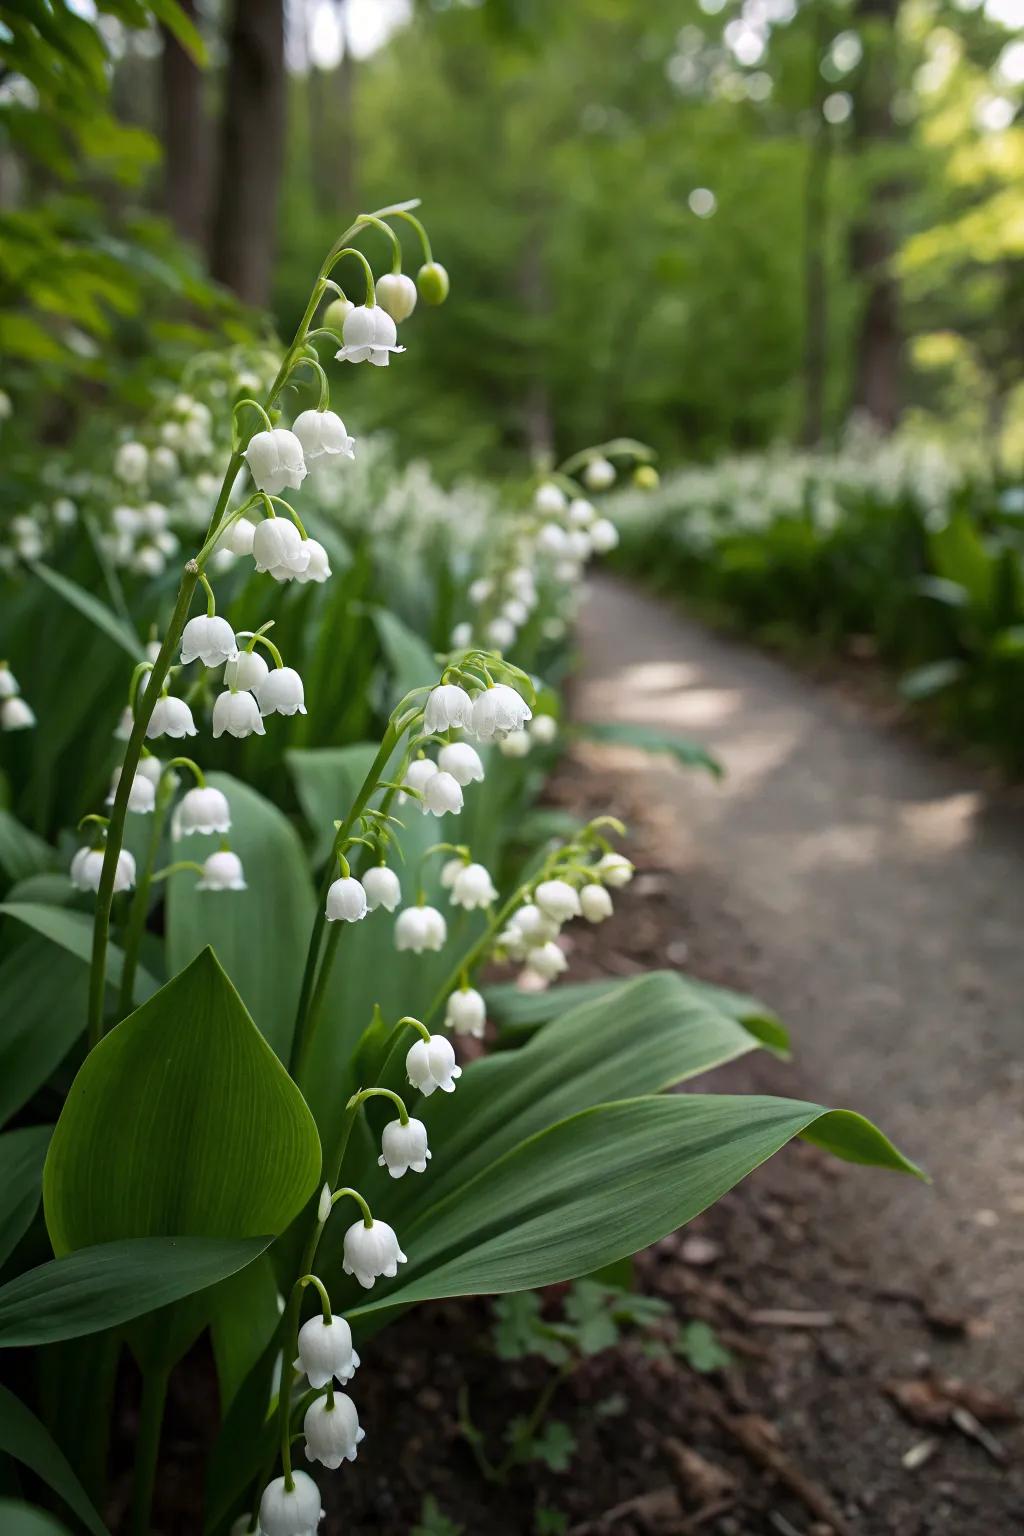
(22, 853)
(259, 934)
(102, 1287)
(18, 1519)
(72, 930)
(411, 661)
(602, 1184)
(950, 593)
(647, 738)
(243, 1316)
(91, 608)
(925, 681)
(961, 556)
(42, 1013)
(181, 1122)
(27, 1441)
(181, 25)
(22, 1154)
(326, 781)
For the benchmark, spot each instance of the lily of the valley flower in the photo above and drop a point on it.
(595, 903)
(515, 744)
(546, 961)
(447, 706)
(501, 633)
(203, 809)
(276, 461)
(16, 715)
(87, 866)
(246, 670)
(498, 710)
(533, 925)
(442, 795)
(549, 499)
(604, 536)
(466, 1013)
(416, 775)
(462, 761)
(420, 928)
(614, 869)
(222, 872)
(370, 336)
(209, 637)
(281, 693)
(346, 901)
(370, 1251)
(404, 1147)
(323, 433)
(325, 1351)
(383, 888)
(558, 900)
(397, 293)
(319, 567)
(8, 682)
(239, 537)
(543, 729)
(473, 887)
(279, 548)
(291, 1511)
(581, 512)
(332, 1430)
(172, 717)
(431, 1064)
(131, 462)
(599, 474)
(238, 714)
(141, 796)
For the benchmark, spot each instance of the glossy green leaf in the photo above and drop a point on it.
(411, 662)
(102, 1287)
(72, 930)
(180, 1122)
(42, 1013)
(326, 781)
(647, 738)
(17, 1519)
(259, 934)
(22, 1154)
(91, 608)
(27, 1441)
(22, 853)
(243, 1316)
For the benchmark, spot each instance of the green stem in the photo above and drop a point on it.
(140, 901)
(382, 1093)
(147, 1446)
(474, 953)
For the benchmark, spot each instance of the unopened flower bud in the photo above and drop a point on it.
(397, 293)
(595, 903)
(383, 888)
(432, 282)
(646, 477)
(599, 474)
(335, 314)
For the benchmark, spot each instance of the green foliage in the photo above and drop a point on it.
(700, 1348)
(433, 1522)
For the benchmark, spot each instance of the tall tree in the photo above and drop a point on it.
(251, 151)
(186, 137)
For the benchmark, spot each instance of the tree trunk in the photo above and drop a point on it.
(251, 151)
(816, 306)
(185, 133)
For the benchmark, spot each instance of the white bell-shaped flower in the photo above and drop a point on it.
(553, 540)
(480, 590)
(473, 887)
(319, 567)
(595, 903)
(16, 715)
(431, 1064)
(497, 711)
(442, 795)
(237, 714)
(549, 499)
(171, 717)
(419, 929)
(614, 869)
(278, 547)
(604, 536)
(515, 612)
(581, 513)
(535, 926)
(346, 901)
(383, 888)
(501, 633)
(87, 866)
(397, 293)
(246, 671)
(579, 545)
(290, 1512)
(239, 537)
(599, 474)
(125, 721)
(276, 461)
(462, 636)
(451, 869)
(141, 796)
(370, 1251)
(203, 809)
(209, 637)
(150, 767)
(466, 1013)
(322, 433)
(515, 744)
(546, 961)
(281, 693)
(332, 1431)
(558, 900)
(325, 1351)
(369, 336)
(222, 872)
(8, 682)
(462, 761)
(416, 775)
(131, 462)
(404, 1147)
(543, 729)
(447, 706)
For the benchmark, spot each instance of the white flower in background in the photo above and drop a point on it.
(131, 463)
(141, 796)
(558, 900)
(520, 581)
(553, 540)
(334, 314)
(370, 1251)
(447, 707)
(497, 711)
(480, 590)
(65, 513)
(397, 293)
(148, 561)
(451, 870)
(533, 925)
(566, 571)
(278, 547)
(6, 407)
(87, 866)
(466, 1013)
(222, 872)
(403, 1147)
(246, 671)
(323, 433)
(369, 336)
(16, 715)
(462, 761)
(420, 928)
(549, 499)
(543, 729)
(581, 513)
(442, 795)
(125, 721)
(501, 633)
(210, 638)
(515, 744)
(332, 1431)
(294, 1512)
(164, 464)
(383, 888)
(8, 682)
(346, 901)
(473, 887)
(462, 636)
(595, 903)
(281, 693)
(150, 768)
(172, 717)
(416, 775)
(599, 475)
(319, 567)
(614, 869)
(578, 545)
(28, 540)
(604, 536)
(546, 961)
(238, 714)
(431, 1064)
(515, 612)
(153, 649)
(203, 809)
(325, 1351)
(239, 537)
(276, 461)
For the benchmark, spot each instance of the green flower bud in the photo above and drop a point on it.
(432, 282)
(334, 314)
(646, 477)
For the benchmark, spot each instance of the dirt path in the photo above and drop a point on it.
(871, 894)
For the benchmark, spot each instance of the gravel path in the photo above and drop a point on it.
(874, 895)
